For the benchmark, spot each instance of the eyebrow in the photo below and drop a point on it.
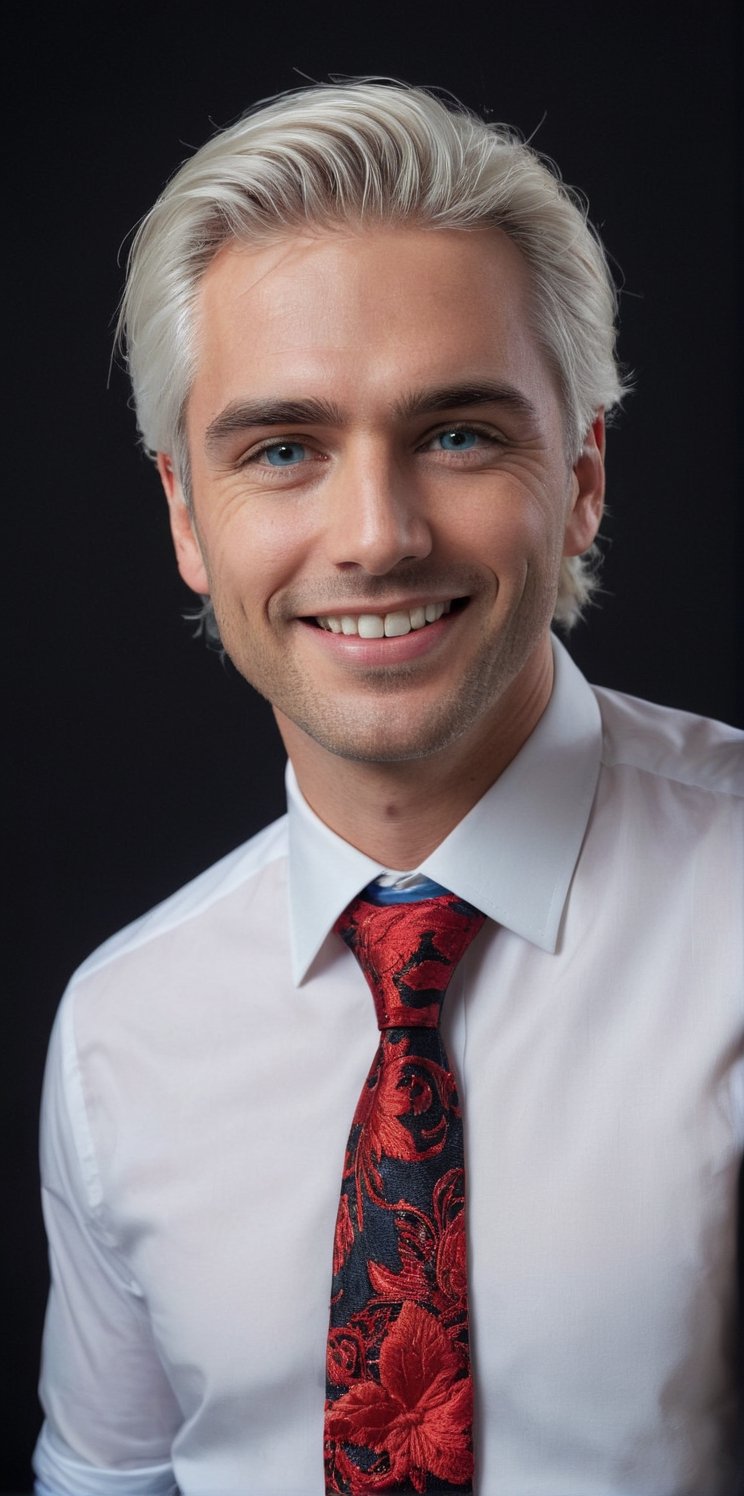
(240, 415)
(453, 396)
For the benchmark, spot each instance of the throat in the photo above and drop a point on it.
(394, 813)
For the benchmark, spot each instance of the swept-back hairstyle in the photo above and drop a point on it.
(358, 155)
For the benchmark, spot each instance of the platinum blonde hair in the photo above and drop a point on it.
(365, 154)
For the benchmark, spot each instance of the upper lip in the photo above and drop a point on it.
(356, 609)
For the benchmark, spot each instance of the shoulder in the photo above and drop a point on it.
(671, 746)
(138, 1015)
(187, 914)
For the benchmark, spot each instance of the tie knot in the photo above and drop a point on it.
(408, 953)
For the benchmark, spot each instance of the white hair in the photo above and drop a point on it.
(369, 153)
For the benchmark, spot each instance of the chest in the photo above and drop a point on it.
(601, 1170)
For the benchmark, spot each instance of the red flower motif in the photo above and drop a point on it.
(340, 1474)
(451, 1267)
(408, 1087)
(343, 1240)
(432, 1253)
(416, 1245)
(427, 976)
(399, 945)
(453, 936)
(420, 1412)
(389, 939)
(403, 1090)
(346, 1360)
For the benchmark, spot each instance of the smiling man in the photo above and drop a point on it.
(371, 344)
(398, 444)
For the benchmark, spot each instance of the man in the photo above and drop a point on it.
(371, 344)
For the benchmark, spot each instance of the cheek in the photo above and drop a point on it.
(514, 533)
(253, 558)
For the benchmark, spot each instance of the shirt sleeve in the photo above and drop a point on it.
(110, 1413)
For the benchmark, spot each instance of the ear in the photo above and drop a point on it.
(588, 487)
(185, 539)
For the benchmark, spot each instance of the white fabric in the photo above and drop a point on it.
(199, 1094)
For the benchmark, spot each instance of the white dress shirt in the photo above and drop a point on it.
(205, 1066)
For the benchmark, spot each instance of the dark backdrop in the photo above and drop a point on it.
(139, 757)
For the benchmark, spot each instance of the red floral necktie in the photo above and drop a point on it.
(399, 1397)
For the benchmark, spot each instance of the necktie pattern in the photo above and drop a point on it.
(399, 1390)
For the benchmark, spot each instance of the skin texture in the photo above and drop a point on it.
(372, 506)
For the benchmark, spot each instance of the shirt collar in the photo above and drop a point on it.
(513, 855)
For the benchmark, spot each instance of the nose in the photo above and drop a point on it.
(379, 519)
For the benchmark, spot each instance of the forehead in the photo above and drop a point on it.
(369, 310)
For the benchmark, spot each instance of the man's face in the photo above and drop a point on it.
(381, 492)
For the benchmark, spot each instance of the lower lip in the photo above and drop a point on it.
(353, 650)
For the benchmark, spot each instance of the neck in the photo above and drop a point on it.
(397, 813)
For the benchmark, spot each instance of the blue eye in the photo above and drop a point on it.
(459, 440)
(284, 454)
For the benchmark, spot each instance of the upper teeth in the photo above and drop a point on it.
(383, 625)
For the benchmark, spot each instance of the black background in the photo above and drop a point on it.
(138, 757)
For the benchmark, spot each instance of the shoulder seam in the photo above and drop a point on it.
(148, 927)
(611, 761)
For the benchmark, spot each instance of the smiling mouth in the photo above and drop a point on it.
(391, 625)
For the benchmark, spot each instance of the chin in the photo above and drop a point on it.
(385, 742)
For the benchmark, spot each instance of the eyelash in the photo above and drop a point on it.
(485, 432)
(277, 441)
(471, 429)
